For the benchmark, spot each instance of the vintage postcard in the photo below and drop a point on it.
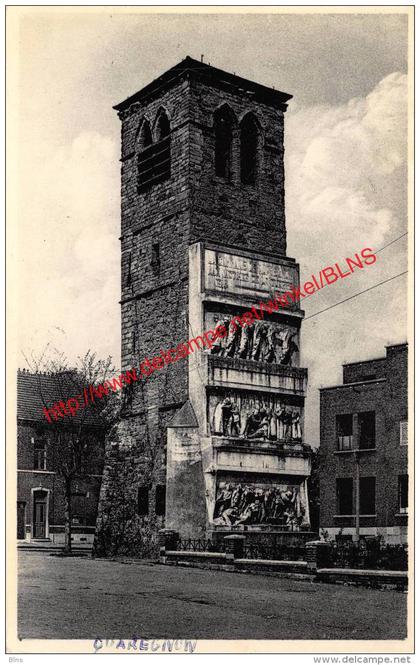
(210, 330)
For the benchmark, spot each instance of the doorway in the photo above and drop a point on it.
(40, 514)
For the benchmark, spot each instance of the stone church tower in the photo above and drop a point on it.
(203, 238)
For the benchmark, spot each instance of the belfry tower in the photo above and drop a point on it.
(214, 441)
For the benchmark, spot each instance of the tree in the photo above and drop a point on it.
(77, 429)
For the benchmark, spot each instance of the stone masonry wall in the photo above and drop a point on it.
(246, 216)
(192, 205)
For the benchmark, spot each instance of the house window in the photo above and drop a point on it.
(143, 500)
(403, 493)
(403, 433)
(155, 262)
(249, 150)
(344, 488)
(40, 455)
(223, 143)
(344, 428)
(160, 504)
(367, 496)
(154, 159)
(367, 435)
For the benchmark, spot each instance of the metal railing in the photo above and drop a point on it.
(368, 555)
(345, 554)
(199, 545)
(274, 552)
(251, 550)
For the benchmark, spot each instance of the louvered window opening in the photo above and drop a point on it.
(154, 164)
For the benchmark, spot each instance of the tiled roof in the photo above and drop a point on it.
(37, 390)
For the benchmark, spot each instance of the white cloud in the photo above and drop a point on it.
(69, 245)
(339, 160)
(345, 190)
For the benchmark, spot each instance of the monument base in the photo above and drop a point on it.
(271, 536)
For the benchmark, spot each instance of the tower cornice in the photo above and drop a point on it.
(211, 76)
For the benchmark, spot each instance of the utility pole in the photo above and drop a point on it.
(357, 488)
(357, 535)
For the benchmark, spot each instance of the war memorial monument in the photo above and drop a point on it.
(214, 443)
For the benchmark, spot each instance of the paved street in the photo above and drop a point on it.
(81, 598)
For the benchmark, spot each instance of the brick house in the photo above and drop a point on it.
(40, 490)
(363, 449)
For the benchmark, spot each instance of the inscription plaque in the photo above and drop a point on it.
(186, 448)
(245, 276)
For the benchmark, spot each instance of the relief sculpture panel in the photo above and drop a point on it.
(258, 503)
(255, 417)
(262, 341)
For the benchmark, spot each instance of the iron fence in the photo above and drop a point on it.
(274, 552)
(342, 554)
(368, 555)
(199, 545)
(251, 550)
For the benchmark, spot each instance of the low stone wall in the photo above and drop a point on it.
(79, 534)
(222, 561)
(297, 569)
(208, 560)
(395, 579)
(266, 537)
(314, 568)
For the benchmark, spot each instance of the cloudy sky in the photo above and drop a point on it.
(346, 164)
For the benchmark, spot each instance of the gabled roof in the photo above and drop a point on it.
(185, 417)
(36, 390)
(212, 76)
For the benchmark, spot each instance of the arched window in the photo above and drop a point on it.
(154, 159)
(223, 122)
(163, 127)
(249, 150)
(145, 136)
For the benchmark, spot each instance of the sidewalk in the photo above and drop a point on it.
(49, 546)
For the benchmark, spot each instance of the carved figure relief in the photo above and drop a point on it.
(250, 418)
(261, 341)
(238, 503)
